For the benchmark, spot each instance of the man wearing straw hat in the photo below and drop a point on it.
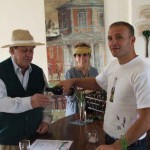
(21, 87)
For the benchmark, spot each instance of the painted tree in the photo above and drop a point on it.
(146, 34)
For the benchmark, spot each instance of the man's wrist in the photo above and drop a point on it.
(117, 145)
(124, 142)
(121, 144)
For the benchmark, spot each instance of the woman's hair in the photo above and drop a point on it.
(82, 45)
(82, 48)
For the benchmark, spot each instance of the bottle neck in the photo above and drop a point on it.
(56, 90)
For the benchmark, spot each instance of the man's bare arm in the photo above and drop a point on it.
(141, 126)
(85, 83)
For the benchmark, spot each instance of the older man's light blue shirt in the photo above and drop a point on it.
(18, 104)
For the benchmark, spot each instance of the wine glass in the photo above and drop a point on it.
(24, 145)
(92, 136)
(49, 108)
(82, 112)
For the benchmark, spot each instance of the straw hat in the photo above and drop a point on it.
(22, 38)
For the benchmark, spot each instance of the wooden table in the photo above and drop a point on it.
(63, 130)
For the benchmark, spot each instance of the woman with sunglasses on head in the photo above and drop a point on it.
(82, 69)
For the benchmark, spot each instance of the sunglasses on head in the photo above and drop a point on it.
(79, 55)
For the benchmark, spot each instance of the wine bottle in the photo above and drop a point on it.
(58, 90)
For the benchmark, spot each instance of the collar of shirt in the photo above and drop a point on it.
(17, 69)
(23, 78)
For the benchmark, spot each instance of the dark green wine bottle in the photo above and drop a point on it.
(58, 90)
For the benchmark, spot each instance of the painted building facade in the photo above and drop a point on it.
(79, 21)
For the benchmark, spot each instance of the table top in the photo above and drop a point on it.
(63, 130)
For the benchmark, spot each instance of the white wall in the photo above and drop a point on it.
(23, 14)
(125, 10)
(140, 45)
(115, 10)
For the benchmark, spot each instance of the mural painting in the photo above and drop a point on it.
(69, 22)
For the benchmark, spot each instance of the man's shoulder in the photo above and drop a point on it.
(141, 64)
(113, 63)
(34, 66)
(5, 64)
(36, 69)
(8, 60)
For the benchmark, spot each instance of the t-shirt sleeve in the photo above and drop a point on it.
(101, 79)
(142, 89)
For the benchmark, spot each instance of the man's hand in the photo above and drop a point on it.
(114, 146)
(66, 84)
(43, 128)
(39, 100)
(106, 147)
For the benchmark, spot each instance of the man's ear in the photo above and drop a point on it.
(11, 50)
(133, 39)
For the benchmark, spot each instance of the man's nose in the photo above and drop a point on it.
(114, 41)
(29, 53)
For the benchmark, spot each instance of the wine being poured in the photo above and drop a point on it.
(58, 90)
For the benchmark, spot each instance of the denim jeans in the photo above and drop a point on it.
(138, 145)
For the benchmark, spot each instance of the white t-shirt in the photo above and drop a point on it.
(132, 92)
